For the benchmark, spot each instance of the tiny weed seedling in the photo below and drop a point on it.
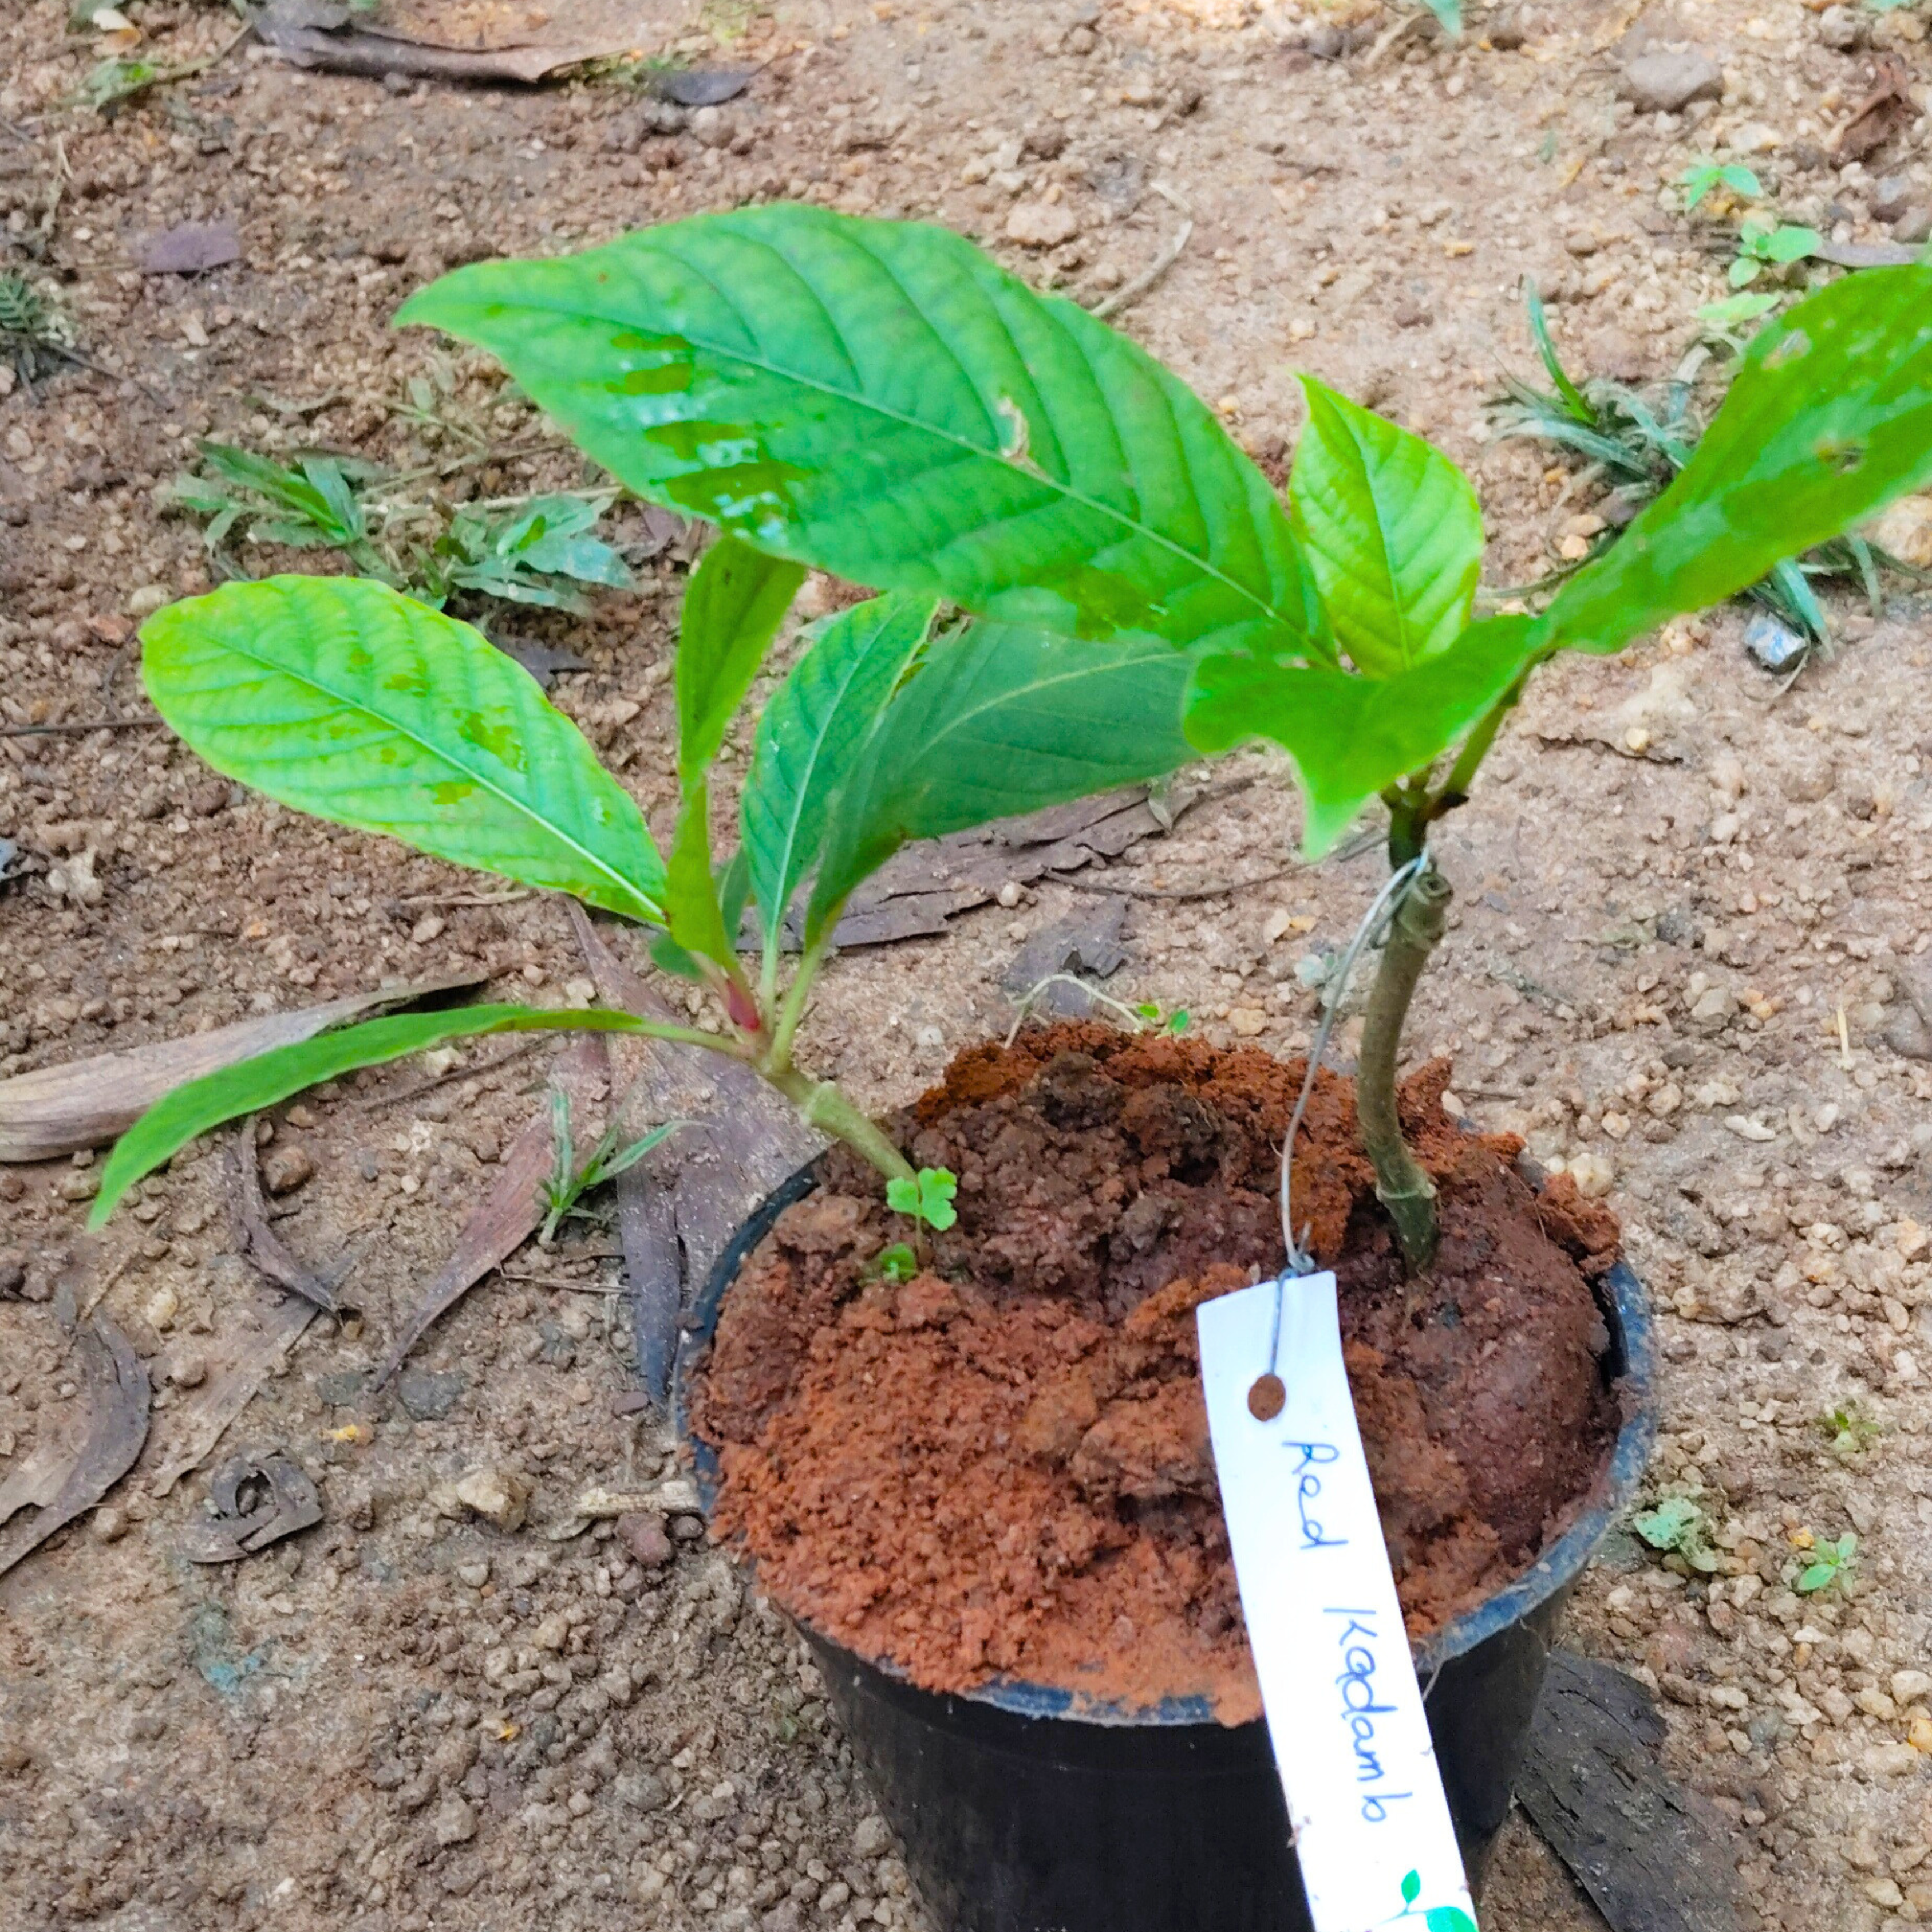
(563, 1194)
(925, 1197)
(1848, 1430)
(1701, 177)
(1678, 1529)
(1083, 583)
(35, 337)
(897, 1264)
(1830, 1563)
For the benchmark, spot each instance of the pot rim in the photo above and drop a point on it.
(1625, 1305)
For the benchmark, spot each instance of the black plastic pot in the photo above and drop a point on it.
(1023, 1812)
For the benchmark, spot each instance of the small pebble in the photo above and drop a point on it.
(285, 1166)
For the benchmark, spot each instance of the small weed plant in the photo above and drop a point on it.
(1637, 441)
(1828, 1562)
(1082, 582)
(539, 550)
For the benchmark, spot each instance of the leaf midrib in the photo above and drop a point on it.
(516, 804)
(1032, 474)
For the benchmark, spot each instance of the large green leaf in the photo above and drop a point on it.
(1351, 737)
(1000, 720)
(1829, 417)
(1391, 529)
(339, 698)
(172, 1121)
(810, 736)
(736, 599)
(880, 399)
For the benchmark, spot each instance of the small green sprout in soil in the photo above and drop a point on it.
(1830, 1563)
(1636, 441)
(563, 1193)
(1051, 622)
(1702, 176)
(1849, 1430)
(1679, 1528)
(35, 337)
(927, 1197)
(896, 1264)
(526, 549)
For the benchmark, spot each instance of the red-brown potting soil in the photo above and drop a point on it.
(1002, 1468)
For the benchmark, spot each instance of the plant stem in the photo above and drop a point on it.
(822, 1106)
(1420, 917)
(791, 1014)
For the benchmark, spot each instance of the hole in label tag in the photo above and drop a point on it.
(1267, 1398)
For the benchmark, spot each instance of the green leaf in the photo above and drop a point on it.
(1450, 13)
(1391, 529)
(339, 698)
(734, 889)
(881, 400)
(1829, 418)
(692, 910)
(249, 1085)
(1448, 1918)
(1573, 399)
(897, 1263)
(929, 1198)
(1000, 720)
(810, 735)
(736, 599)
(1411, 1888)
(1816, 1576)
(1352, 737)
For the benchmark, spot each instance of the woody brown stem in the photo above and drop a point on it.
(1421, 917)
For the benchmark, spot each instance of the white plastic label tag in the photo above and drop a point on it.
(1371, 1827)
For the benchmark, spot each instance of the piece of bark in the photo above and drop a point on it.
(1881, 114)
(679, 1207)
(85, 1103)
(915, 893)
(512, 1209)
(1086, 943)
(253, 1501)
(256, 1338)
(63, 1477)
(1867, 254)
(294, 33)
(259, 1240)
(1593, 1783)
(191, 248)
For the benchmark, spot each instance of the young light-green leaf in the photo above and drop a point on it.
(172, 1121)
(884, 400)
(1390, 528)
(736, 599)
(810, 733)
(1350, 737)
(339, 698)
(691, 909)
(1000, 720)
(1829, 418)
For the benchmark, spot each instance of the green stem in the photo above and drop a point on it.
(791, 1014)
(1475, 748)
(822, 1106)
(1421, 917)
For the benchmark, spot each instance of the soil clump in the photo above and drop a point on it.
(1001, 1467)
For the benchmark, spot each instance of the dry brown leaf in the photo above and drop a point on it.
(70, 1473)
(85, 1103)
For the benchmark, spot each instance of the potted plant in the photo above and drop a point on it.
(949, 1407)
